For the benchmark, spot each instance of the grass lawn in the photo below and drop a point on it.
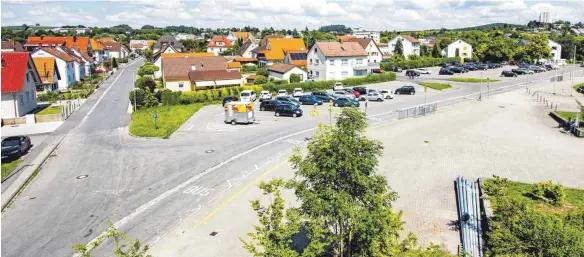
(8, 167)
(170, 118)
(472, 80)
(568, 115)
(50, 110)
(520, 191)
(578, 86)
(437, 86)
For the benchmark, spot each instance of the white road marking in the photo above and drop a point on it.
(102, 96)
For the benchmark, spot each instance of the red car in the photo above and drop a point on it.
(377, 71)
(355, 93)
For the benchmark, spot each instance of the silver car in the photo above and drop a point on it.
(374, 96)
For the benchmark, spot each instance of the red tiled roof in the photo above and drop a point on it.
(58, 54)
(178, 68)
(410, 38)
(244, 59)
(81, 42)
(16, 46)
(46, 41)
(13, 71)
(85, 56)
(280, 67)
(207, 75)
(135, 46)
(215, 39)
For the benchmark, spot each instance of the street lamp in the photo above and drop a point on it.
(481, 87)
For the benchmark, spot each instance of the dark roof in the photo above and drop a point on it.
(208, 75)
(280, 67)
(168, 40)
(178, 68)
(16, 46)
(244, 47)
(156, 55)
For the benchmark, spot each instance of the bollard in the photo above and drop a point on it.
(556, 108)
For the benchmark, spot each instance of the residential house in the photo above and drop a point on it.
(234, 36)
(248, 46)
(202, 79)
(246, 61)
(296, 57)
(276, 47)
(140, 44)
(12, 46)
(163, 41)
(249, 80)
(116, 50)
(384, 48)
(375, 54)
(345, 38)
(218, 44)
(78, 63)
(461, 47)
(99, 52)
(361, 33)
(185, 36)
(282, 71)
(556, 51)
(410, 44)
(49, 74)
(88, 60)
(337, 60)
(106, 40)
(65, 65)
(234, 66)
(158, 60)
(77, 30)
(262, 45)
(175, 71)
(19, 80)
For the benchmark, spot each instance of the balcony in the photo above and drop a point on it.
(366, 66)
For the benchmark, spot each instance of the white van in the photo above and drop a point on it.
(298, 92)
(282, 92)
(247, 96)
(338, 86)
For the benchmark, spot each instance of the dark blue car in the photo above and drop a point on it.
(310, 99)
(346, 101)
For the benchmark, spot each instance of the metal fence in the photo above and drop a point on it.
(418, 111)
(469, 216)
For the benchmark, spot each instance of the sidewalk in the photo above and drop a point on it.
(30, 129)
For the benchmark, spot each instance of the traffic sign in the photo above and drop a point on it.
(155, 116)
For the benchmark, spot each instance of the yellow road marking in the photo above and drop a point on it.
(231, 198)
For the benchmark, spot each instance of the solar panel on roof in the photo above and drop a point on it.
(298, 56)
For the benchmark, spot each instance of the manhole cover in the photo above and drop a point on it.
(501, 106)
(209, 151)
(82, 176)
(213, 233)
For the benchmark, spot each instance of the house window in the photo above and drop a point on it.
(332, 62)
(21, 99)
(345, 74)
(317, 61)
(359, 61)
(317, 74)
(27, 78)
(181, 84)
(310, 60)
(345, 62)
(27, 96)
(315, 50)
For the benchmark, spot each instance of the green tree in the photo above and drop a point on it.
(278, 227)
(114, 63)
(124, 246)
(294, 78)
(538, 48)
(146, 83)
(148, 54)
(259, 80)
(399, 48)
(336, 183)
(435, 51)
(262, 72)
(147, 69)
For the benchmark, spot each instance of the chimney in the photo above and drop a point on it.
(74, 39)
(193, 67)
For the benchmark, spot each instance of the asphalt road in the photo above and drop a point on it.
(148, 186)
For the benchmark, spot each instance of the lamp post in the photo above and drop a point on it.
(481, 87)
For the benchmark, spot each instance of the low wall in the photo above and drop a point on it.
(14, 121)
(48, 118)
(579, 131)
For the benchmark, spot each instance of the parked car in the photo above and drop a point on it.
(269, 105)
(527, 71)
(406, 90)
(324, 96)
(298, 92)
(507, 73)
(338, 86)
(491, 65)
(343, 101)
(247, 96)
(288, 110)
(353, 92)
(470, 67)
(14, 147)
(423, 71)
(504, 63)
(265, 95)
(288, 100)
(445, 71)
(228, 99)
(310, 99)
(373, 96)
(537, 69)
(361, 90)
(344, 93)
(457, 70)
(481, 66)
(581, 65)
(377, 71)
(282, 92)
(387, 94)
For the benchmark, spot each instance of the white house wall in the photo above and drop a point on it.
(25, 99)
(175, 85)
(227, 82)
(465, 49)
(375, 54)
(67, 70)
(408, 46)
(332, 72)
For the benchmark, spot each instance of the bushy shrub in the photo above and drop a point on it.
(248, 68)
(294, 78)
(419, 62)
(262, 72)
(550, 192)
(260, 79)
(168, 97)
(256, 89)
(146, 83)
(50, 97)
(147, 69)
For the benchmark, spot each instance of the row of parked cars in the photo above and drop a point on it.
(464, 68)
(528, 69)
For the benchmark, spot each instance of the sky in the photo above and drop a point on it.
(288, 14)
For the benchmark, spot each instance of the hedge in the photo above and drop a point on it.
(419, 63)
(328, 84)
(168, 97)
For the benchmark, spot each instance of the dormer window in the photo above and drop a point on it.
(219, 43)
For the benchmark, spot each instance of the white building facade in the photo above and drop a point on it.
(556, 51)
(410, 45)
(464, 49)
(336, 61)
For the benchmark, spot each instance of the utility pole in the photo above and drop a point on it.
(481, 88)
(555, 81)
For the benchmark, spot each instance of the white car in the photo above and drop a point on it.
(282, 92)
(341, 93)
(374, 96)
(298, 92)
(247, 96)
(387, 94)
(338, 86)
(424, 71)
(265, 95)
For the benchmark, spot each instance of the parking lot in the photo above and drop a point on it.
(486, 74)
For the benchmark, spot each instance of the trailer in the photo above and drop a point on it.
(239, 112)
